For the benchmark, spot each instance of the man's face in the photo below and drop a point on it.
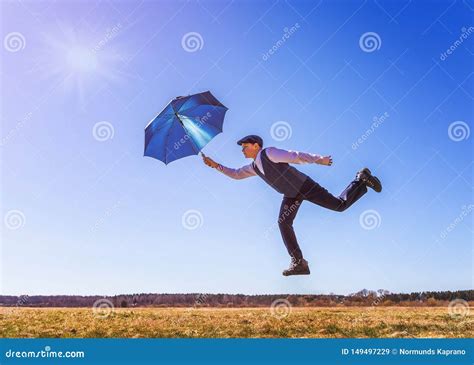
(250, 150)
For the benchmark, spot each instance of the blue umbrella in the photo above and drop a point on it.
(184, 127)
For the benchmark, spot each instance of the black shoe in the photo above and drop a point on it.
(297, 267)
(369, 180)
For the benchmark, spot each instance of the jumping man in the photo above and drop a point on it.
(273, 166)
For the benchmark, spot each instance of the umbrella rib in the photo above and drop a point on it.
(190, 138)
(166, 142)
(212, 126)
(159, 114)
(164, 124)
(183, 111)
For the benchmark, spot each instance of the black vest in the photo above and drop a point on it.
(281, 176)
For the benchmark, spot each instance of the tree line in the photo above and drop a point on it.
(362, 298)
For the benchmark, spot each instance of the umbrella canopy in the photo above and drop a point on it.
(184, 127)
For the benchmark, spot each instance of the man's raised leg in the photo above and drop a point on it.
(316, 194)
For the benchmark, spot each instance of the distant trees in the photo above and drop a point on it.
(364, 297)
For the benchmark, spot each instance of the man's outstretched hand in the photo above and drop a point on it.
(209, 161)
(326, 160)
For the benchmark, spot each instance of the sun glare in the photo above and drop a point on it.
(81, 59)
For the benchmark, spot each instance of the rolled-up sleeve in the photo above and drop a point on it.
(240, 173)
(278, 155)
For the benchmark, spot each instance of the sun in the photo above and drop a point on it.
(81, 59)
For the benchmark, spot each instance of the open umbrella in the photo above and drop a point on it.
(184, 127)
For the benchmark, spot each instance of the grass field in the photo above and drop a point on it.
(238, 322)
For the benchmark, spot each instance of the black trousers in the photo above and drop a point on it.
(315, 193)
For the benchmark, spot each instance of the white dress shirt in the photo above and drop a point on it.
(275, 155)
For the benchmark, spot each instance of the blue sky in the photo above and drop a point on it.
(85, 213)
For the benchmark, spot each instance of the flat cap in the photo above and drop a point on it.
(251, 139)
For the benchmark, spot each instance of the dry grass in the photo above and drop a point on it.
(238, 322)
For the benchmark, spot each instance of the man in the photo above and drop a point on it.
(272, 165)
